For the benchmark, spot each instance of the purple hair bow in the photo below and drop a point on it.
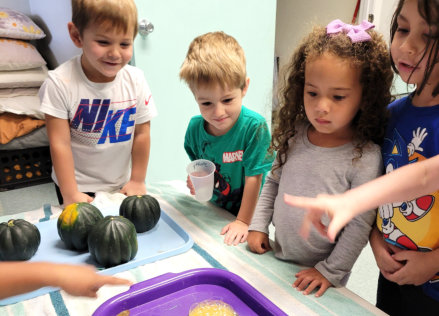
(357, 33)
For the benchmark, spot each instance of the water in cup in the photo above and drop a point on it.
(203, 193)
(201, 173)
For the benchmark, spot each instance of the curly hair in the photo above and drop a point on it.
(373, 59)
(429, 11)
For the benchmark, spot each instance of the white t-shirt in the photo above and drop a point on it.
(102, 118)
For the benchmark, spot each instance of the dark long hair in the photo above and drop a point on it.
(429, 11)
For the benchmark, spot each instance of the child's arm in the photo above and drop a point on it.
(58, 131)
(309, 279)
(188, 147)
(403, 266)
(258, 242)
(236, 232)
(418, 267)
(392, 187)
(383, 252)
(139, 160)
(78, 280)
(258, 239)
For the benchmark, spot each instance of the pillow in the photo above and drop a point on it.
(15, 92)
(22, 105)
(23, 78)
(17, 55)
(13, 126)
(36, 138)
(14, 24)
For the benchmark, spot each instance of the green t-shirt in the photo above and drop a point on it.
(239, 153)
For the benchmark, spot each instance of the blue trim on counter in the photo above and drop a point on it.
(212, 261)
(47, 213)
(58, 304)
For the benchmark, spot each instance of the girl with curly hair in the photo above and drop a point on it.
(327, 132)
(405, 240)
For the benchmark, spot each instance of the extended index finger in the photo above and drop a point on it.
(312, 205)
(112, 280)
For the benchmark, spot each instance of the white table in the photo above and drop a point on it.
(203, 222)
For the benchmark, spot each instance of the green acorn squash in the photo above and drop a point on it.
(113, 241)
(75, 223)
(143, 210)
(19, 240)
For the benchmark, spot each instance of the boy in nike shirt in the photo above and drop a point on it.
(98, 108)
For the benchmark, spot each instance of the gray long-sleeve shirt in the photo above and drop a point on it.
(308, 171)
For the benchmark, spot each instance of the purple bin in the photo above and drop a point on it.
(176, 293)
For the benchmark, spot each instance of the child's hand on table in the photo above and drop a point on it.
(134, 188)
(235, 232)
(308, 279)
(258, 242)
(77, 197)
(82, 280)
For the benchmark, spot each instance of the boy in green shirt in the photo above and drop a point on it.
(233, 137)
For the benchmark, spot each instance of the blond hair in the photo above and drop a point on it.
(214, 57)
(119, 14)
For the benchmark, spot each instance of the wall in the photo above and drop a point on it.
(20, 5)
(296, 18)
(162, 52)
(382, 12)
(57, 46)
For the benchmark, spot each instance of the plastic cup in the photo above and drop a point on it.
(201, 173)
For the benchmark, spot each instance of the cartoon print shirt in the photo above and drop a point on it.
(102, 119)
(239, 153)
(412, 135)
